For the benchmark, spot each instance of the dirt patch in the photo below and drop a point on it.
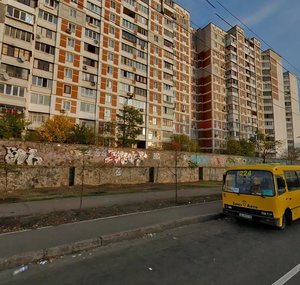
(56, 218)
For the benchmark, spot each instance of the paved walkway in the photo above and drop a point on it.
(47, 206)
(28, 246)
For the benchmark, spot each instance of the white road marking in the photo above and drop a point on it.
(288, 276)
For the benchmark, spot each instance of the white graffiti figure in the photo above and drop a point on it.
(32, 158)
(16, 155)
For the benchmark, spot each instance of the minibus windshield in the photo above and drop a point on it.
(251, 182)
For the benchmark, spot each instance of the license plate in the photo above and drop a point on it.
(245, 216)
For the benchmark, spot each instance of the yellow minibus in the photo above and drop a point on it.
(268, 193)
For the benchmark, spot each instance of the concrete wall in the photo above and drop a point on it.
(25, 165)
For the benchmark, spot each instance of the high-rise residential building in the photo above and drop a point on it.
(86, 59)
(274, 100)
(227, 86)
(292, 111)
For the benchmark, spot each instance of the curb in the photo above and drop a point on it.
(75, 247)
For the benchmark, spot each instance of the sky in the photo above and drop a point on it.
(276, 23)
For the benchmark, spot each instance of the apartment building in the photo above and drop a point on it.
(227, 86)
(274, 99)
(86, 59)
(292, 112)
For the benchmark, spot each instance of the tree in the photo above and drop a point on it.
(292, 155)
(56, 129)
(82, 134)
(233, 147)
(181, 143)
(266, 144)
(241, 147)
(128, 126)
(12, 125)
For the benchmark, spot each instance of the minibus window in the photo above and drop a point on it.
(280, 185)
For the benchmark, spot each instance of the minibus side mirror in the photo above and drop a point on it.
(280, 185)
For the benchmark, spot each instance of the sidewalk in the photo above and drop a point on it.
(53, 205)
(24, 247)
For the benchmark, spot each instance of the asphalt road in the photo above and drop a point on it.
(218, 252)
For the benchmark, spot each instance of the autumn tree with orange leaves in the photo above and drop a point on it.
(56, 129)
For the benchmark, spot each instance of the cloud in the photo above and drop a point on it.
(263, 13)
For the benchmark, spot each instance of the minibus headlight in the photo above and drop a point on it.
(228, 207)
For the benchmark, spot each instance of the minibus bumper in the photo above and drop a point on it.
(252, 217)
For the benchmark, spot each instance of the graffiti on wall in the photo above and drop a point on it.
(221, 161)
(16, 155)
(122, 157)
(156, 155)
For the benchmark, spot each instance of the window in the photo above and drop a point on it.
(89, 77)
(42, 82)
(43, 65)
(40, 99)
(71, 42)
(43, 32)
(156, 38)
(86, 107)
(88, 92)
(110, 56)
(93, 21)
(73, 13)
(112, 17)
(14, 71)
(19, 14)
(72, 27)
(67, 105)
(94, 8)
(45, 48)
(91, 48)
(110, 70)
(67, 89)
(107, 114)
(69, 57)
(47, 17)
(38, 118)
(112, 30)
(107, 98)
(68, 73)
(142, 8)
(92, 34)
(108, 84)
(291, 180)
(51, 3)
(90, 62)
(16, 52)
(12, 90)
(18, 34)
(113, 4)
(111, 43)
(129, 25)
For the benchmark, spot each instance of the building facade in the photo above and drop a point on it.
(86, 59)
(274, 100)
(227, 86)
(292, 111)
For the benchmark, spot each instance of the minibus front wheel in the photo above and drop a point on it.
(286, 219)
(283, 222)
